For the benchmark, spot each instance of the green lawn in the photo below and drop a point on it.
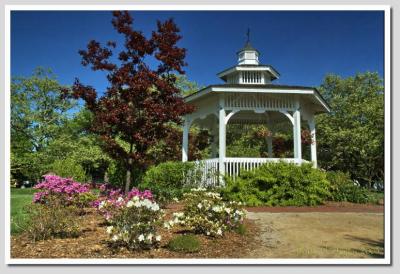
(19, 199)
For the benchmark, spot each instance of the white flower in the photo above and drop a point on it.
(115, 238)
(120, 200)
(219, 232)
(199, 205)
(129, 204)
(158, 238)
(155, 207)
(102, 204)
(147, 203)
(141, 238)
(175, 199)
(109, 229)
(137, 204)
(198, 189)
(178, 214)
(216, 208)
(149, 237)
(135, 198)
(238, 212)
(166, 225)
(228, 210)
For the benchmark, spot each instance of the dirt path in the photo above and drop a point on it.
(319, 235)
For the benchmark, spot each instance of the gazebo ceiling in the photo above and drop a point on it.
(246, 117)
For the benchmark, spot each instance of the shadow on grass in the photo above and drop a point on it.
(374, 248)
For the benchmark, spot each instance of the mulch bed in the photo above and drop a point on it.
(327, 207)
(94, 243)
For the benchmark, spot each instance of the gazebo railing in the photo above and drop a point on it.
(234, 166)
(209, 171)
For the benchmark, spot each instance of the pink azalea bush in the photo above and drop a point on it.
(66, 190)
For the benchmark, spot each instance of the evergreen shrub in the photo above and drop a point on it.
(279, 184)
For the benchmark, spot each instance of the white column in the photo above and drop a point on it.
(185, 141)
(222, 136)
(297, 134)
(311, 124)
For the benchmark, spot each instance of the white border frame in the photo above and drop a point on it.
(387, 85)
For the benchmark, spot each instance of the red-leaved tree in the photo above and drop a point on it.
(140, 101)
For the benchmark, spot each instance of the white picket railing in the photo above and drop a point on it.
(234, 167)
(209, 175)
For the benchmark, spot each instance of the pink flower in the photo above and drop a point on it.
(66, 187)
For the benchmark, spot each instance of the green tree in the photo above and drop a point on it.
(351, 137)
(37, 116)
(186, 86)
(78, 147)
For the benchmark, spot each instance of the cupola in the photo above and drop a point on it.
(249, 70)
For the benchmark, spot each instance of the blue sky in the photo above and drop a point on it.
(302, 46)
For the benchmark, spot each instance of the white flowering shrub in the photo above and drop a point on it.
(134, 224)
(205, 212)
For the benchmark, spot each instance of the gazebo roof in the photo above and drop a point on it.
(248, 47)
(268, 68)
(310, 94)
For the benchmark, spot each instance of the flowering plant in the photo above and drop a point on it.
(134, 223)
(66, 190)
(112, 199)
(205, 212)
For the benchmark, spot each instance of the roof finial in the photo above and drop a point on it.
(248, 35)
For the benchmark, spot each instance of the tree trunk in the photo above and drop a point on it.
(128, 176)
(129, 170)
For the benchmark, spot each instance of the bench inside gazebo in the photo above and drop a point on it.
(249, 97)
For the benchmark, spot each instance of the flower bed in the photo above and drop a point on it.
(133, 218)
(206, 213)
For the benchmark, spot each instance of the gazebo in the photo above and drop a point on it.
(248, 96)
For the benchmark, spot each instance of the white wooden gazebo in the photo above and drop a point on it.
(249, 97)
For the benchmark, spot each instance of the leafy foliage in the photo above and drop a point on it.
(140, 102)
(170, 147)
(134, 224)
(206, 213)
(50, 220)
(280, 184)
(45, 136)
(351, 137)
(251, 140)
(37, 117)
(170, 180)
(69, 168)
(343, 189)
(111, 199)
(184, 243)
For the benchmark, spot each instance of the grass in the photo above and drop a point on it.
(185, 244)
(19, 199)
